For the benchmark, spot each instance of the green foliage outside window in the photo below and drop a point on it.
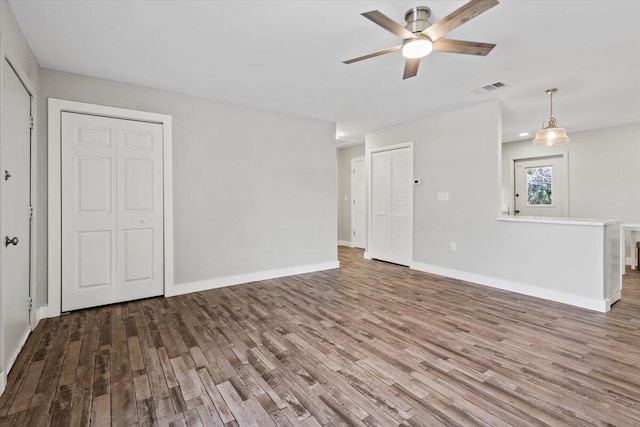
(539, 184)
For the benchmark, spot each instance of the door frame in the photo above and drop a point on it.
(353, 206)
(558, 152)
(367, 166)
(31, 89)
(56, 108)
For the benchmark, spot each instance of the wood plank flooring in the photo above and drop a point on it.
(369, 344)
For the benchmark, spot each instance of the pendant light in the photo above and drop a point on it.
(551, 134)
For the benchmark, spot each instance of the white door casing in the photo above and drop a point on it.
(111, 210)
(390, 188)
(57, 108)
(358, 203)
(558, 207)
(15, 221)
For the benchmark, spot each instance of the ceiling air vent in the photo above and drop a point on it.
(489, 88)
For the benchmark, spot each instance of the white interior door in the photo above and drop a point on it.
(140, 214)
(15, 221)
(111, 210)
(541, 187)
(401, 206)
(391, 206)
(358, 203)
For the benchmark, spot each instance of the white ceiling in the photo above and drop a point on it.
(286, 56)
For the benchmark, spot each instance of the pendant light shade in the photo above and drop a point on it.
(551, 134)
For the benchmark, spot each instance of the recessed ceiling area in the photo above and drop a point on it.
(287, 57)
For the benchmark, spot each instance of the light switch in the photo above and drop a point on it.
(346, 198)
(443, 196)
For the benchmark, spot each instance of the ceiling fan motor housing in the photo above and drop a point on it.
(417, 19)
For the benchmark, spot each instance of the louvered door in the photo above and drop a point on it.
(391, 206)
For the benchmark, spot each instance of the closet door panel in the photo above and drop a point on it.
(88, 211)
(140, 210)
(401, 195)
(380, 245)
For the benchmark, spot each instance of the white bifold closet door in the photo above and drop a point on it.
(112, 210)
(391, 205)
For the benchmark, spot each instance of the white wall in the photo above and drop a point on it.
(14, 44)
(254, 191)
(344, 189)
(460, 160)
(549, 260)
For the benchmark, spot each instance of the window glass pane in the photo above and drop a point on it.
(539, 184)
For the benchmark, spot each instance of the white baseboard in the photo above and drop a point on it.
(520, 288)
(614, 298)
(347, 243)
(12, 359)
(221, 282)
(42, 313)
(3, 382)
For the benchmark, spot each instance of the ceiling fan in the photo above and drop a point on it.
(419, 37)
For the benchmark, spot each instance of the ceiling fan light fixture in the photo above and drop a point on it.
(417, 48)
(551, 134)
(419, 35)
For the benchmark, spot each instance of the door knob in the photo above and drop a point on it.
(7, 175)
(8, 241)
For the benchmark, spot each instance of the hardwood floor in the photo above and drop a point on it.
(369, 344)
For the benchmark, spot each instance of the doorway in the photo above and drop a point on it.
(541, 186)
(16, 214)
(358, 203)
(111, 210)
(391, 204)
(110, 205)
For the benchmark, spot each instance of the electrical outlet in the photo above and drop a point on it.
(452, 246)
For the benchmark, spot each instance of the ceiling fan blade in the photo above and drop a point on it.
(464, 47)
(410, 67)
(373, 55)
(389, 24)
(458, 17)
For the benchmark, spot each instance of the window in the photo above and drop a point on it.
(539, 185)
